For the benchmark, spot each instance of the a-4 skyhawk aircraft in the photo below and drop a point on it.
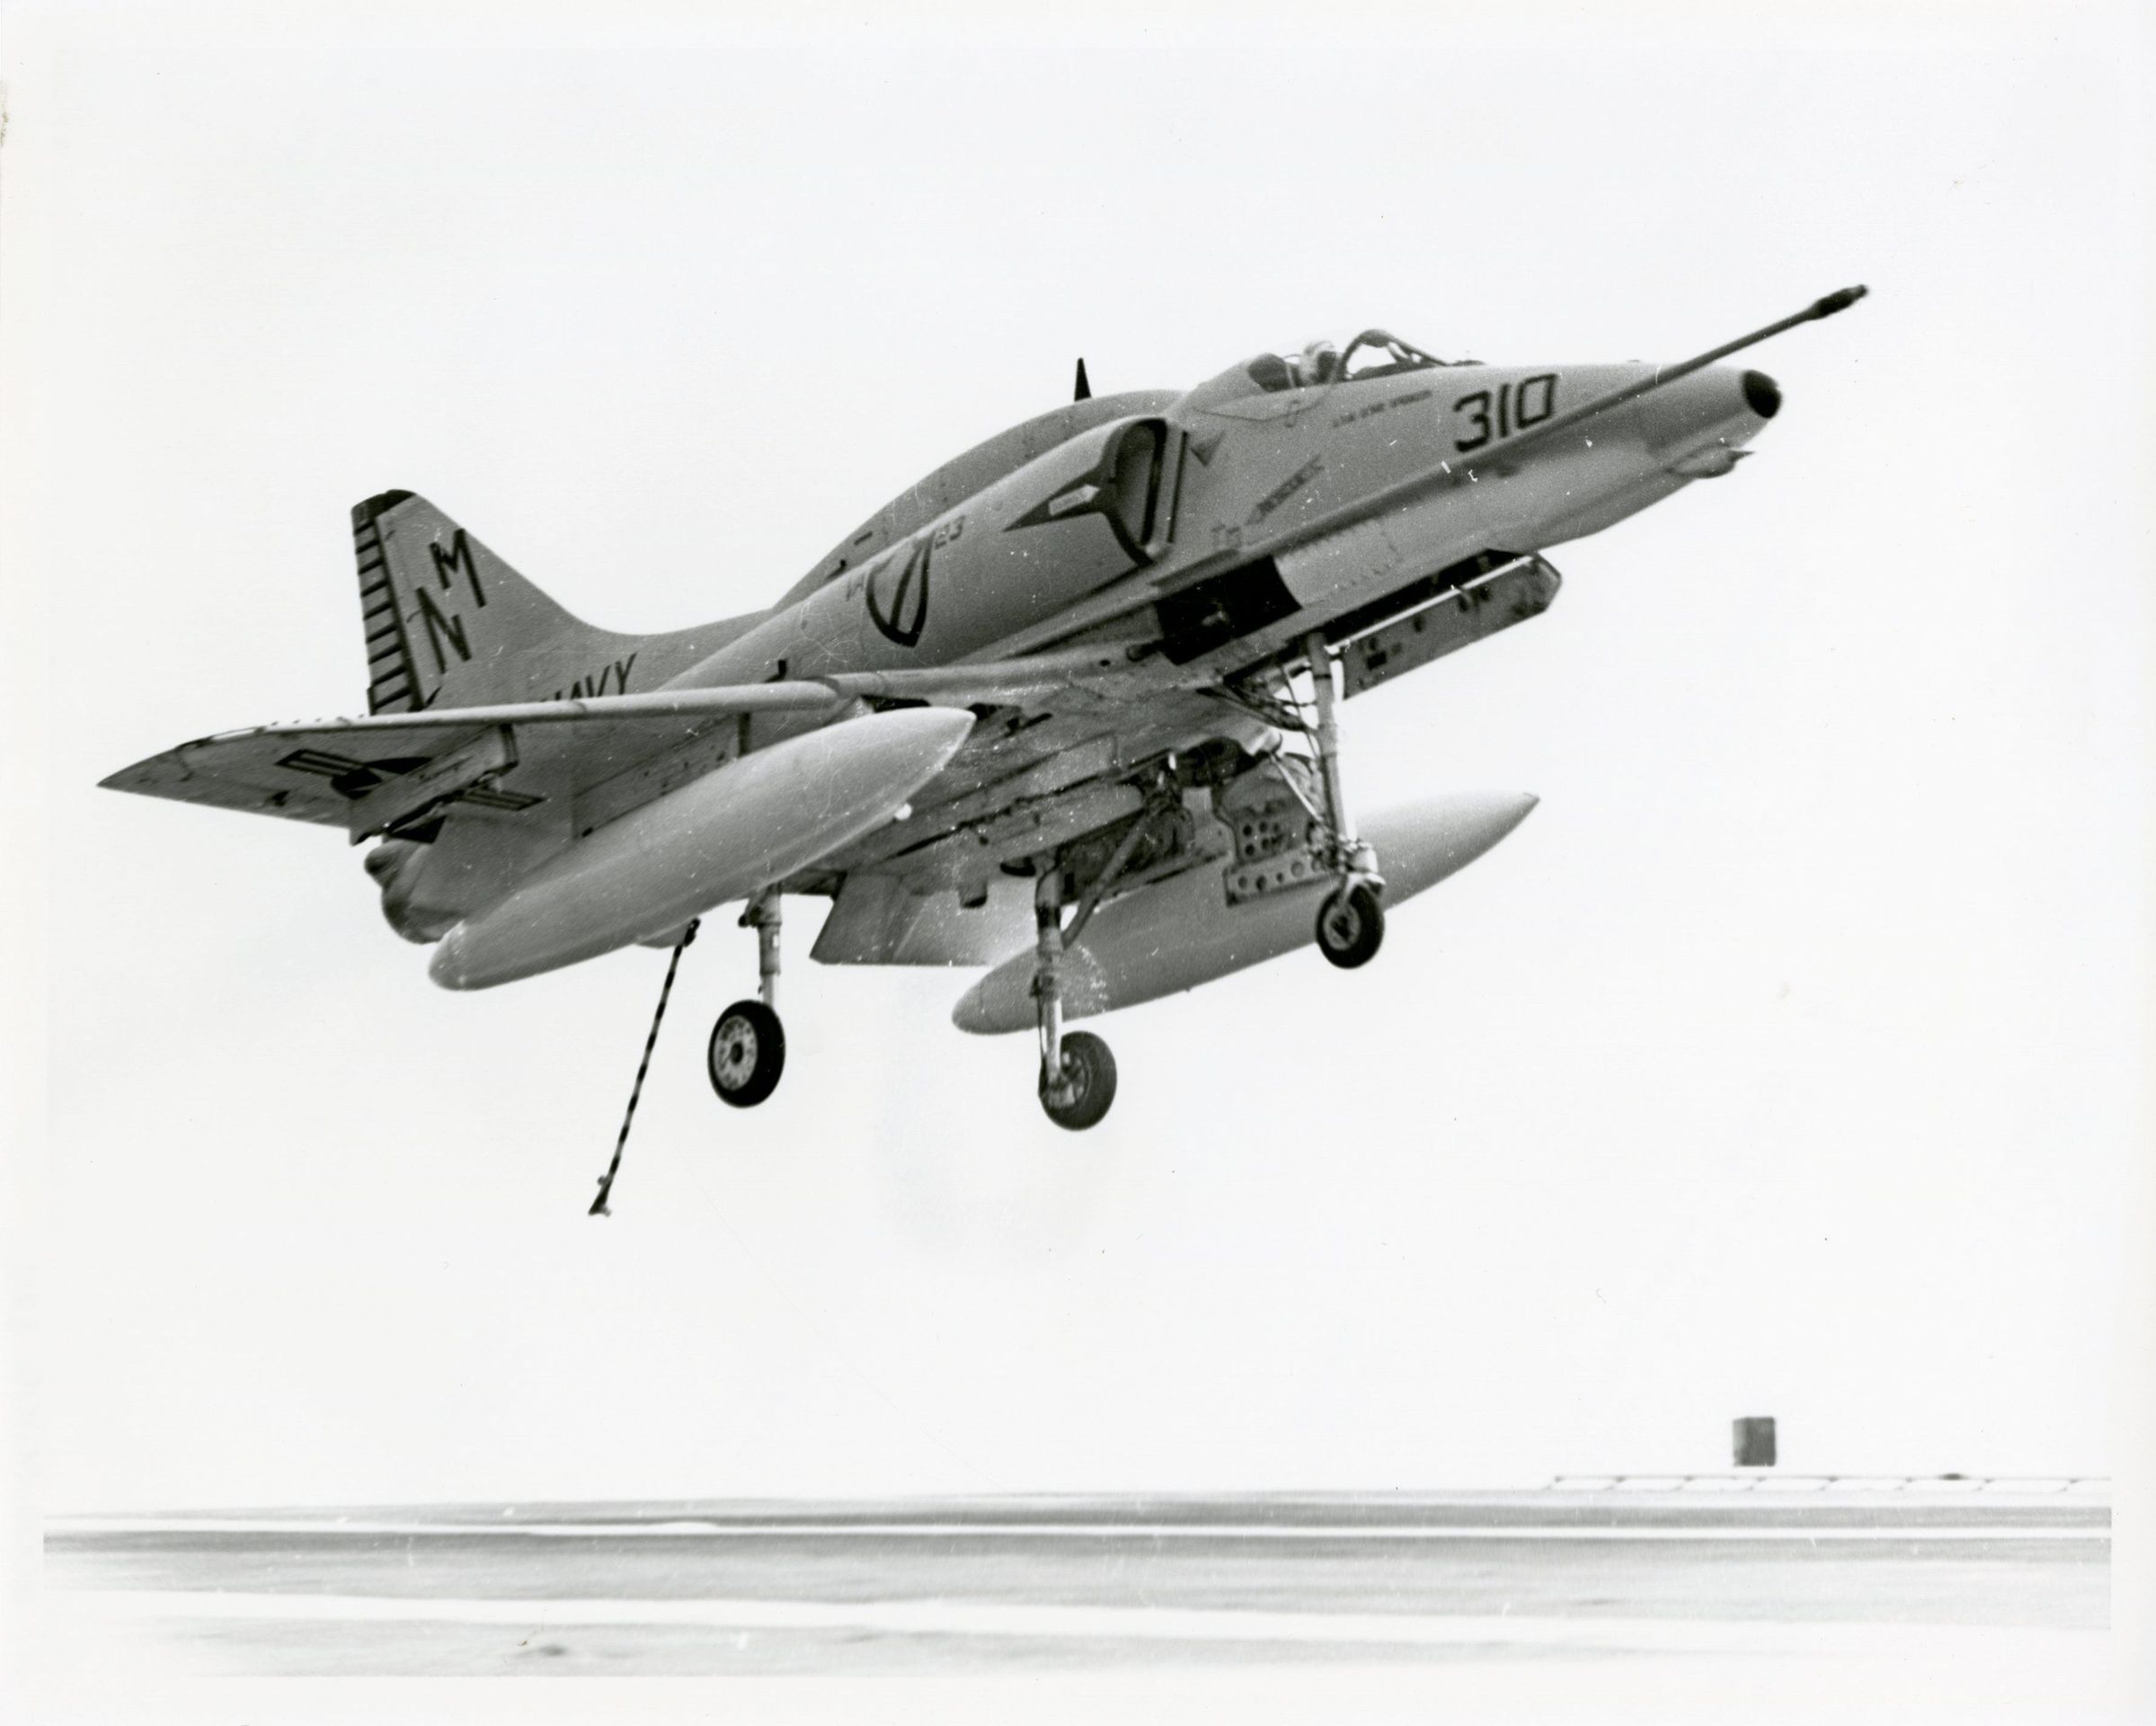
(1033, 714)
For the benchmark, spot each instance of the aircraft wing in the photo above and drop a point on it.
(317, 773)
(372, 774)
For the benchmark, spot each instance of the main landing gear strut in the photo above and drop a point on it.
(1351, 923)
(1077, 1072)
(748, 1050)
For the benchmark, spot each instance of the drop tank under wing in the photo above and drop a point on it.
(1210, 921)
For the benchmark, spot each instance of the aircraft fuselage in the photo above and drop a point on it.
(1164, 497)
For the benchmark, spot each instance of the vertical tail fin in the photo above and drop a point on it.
(448, 622)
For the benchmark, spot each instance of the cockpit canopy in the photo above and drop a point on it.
(1374, 354)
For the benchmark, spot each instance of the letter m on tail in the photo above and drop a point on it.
(450, 623)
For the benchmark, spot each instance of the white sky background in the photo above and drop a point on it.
(1787, 1060)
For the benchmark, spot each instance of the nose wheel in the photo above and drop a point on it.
(1351, 923)
(1351, 926)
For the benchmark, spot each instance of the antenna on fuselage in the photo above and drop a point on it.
(1083, 392)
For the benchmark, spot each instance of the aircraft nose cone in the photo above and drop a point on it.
(1721, 403)
(1762, 394)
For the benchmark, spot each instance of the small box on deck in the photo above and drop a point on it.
(1751, 1440)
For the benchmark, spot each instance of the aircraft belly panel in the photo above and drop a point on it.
(1057, 755)
(879, 919)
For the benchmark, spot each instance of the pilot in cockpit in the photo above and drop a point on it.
(1318, 364)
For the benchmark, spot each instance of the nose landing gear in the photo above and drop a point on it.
(748, 1050)
(1351, 923)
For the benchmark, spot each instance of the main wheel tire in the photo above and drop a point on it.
(1089, 1075)
(747, 1055)
(1350, 926)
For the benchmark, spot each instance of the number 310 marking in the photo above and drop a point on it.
(1514, 411)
